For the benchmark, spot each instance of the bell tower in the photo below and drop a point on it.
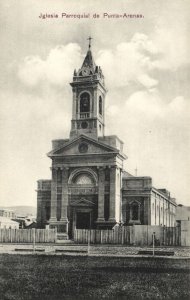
(88, 109)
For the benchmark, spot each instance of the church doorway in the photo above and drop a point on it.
(83, 220)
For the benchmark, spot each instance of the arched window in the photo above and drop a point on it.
(100, 105)
(84, 179)
(134, 212)
(85, 103)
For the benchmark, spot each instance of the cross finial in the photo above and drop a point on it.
(89, 39)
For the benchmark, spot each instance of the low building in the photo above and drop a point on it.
(7, 213)
(8, 223)
(182, 213)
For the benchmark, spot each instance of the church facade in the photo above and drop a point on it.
(89, 186)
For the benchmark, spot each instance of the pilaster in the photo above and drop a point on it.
(112, 194)
(147, 211)
(64, 201)
(101, 190)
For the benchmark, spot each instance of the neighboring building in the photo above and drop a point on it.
(7, 213)
(183, 220)
(26, 221)
(8, 223)
(182, 213)
(89, 187)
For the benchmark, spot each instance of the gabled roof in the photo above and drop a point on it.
(72, 144)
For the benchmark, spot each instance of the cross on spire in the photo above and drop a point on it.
(89, 39)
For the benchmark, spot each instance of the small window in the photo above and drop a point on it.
(84, 125)
(100, 105)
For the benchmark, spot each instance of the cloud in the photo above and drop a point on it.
(56, 69)
(157, 138)
(172, 44)
(130, 62)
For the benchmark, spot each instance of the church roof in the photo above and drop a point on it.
(126, 175)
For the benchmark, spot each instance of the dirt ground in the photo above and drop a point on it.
(93, 249)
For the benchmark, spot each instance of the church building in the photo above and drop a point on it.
(89, 186)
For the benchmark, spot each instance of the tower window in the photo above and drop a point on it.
(100, 105)
(85, 103)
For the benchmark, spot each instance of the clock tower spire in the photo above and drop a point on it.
(88, 111)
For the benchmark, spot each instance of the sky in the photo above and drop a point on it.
(146, 66)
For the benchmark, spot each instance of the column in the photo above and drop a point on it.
(101, 191)
(64, 201)
(112, 193)
(53, 216)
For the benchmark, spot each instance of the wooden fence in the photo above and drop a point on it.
(28, 235)
(95, 236)
(137, 235)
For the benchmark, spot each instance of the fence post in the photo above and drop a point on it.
(88, 241)
(34, 239)
(164, 235)
(153, 242)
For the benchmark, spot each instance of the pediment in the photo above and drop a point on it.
(82, 202)
(82, 146)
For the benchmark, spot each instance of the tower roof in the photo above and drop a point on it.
(89, 61)
(89, 70)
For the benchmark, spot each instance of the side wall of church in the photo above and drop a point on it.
(163, 210)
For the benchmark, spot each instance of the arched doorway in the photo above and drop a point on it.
(83, 193)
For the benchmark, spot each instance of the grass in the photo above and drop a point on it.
(53, 277)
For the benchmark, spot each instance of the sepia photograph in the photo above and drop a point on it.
(94, 155)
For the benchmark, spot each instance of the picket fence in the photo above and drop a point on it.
(95, 236)
(28, 235)
(136, 235)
